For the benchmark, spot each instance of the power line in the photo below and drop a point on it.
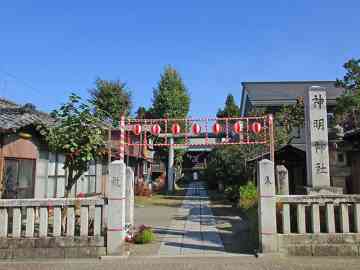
(23, 82)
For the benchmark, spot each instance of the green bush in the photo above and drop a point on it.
(248, 195)
(144, 235)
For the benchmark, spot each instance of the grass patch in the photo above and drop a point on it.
(173, 199)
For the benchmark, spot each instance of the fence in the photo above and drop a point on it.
(52, 228)
(318, 225)
(69, 227)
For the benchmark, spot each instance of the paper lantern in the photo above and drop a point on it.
(216, 128)
(196, 129)
(155, 129)
(256, 127)
(137, 129)
(238, 128)
(175, 128)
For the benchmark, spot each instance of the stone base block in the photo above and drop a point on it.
(51, 247)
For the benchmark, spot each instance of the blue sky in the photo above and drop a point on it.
(49, 49)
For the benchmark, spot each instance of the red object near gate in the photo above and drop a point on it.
(238, 127)
(155, 129)
(256, 127)
(216, 128)
(137, 129)
(196, 129)
(175, 128)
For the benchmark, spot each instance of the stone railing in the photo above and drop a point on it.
(306, 225)
(306, 209)
(72, 227)
(52, 227)
(318, 225)
(51, 217)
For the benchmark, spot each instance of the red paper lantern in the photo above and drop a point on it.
(238, 127)
(196, 129)
(175, 128)
(155, 129)
(137, 129)
(256, 127)
(216, 128)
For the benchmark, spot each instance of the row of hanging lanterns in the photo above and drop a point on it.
(196, 128)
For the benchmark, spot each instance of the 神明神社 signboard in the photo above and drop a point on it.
(317, 151)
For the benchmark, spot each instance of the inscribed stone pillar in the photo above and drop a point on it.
(129, 197)
(267, 206)
(170, 172)
(116, 207)
(317, 151)
(282, 176)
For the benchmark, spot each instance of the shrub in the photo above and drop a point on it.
(144, 235)
(232, 193)
(248, 196)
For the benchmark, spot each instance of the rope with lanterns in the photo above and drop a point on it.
(230, 130)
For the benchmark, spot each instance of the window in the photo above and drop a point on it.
(19, 178)
(55, 185)
(87, 182)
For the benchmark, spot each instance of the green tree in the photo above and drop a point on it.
(290, 117)
(170, 98)
(112, 99)
(231, 109)
(143, 113)
(78, 135)
(348, 104)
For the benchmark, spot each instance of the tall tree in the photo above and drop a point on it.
(170, 98)
(231, 109)
(78, 135)
(143, 113)
(348, 104)
(111, 98)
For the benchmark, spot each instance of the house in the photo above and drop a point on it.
(138, 156)
(27, 168)
(269, 97)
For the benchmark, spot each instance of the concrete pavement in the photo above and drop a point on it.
(187, 262)
(193, 229)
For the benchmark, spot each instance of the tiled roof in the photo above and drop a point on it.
(278, 93)
(14, 116)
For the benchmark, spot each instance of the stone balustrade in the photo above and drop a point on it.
(52, 227)
(318, 225)
(51, 217)
(337, 210)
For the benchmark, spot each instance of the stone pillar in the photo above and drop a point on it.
(317, 150)
(267, 207)
(116, 208)
(170, 172)
(282, 176)
(130, 200)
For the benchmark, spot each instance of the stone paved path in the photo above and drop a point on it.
(193, 229)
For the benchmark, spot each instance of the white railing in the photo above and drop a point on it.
(325, 213)
(29, 218)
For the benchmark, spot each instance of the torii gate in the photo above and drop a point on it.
(252, 130)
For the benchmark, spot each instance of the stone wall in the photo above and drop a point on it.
(340, 244)
(52, 247)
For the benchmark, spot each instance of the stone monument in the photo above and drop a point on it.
(317, 148)
(116, 208)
